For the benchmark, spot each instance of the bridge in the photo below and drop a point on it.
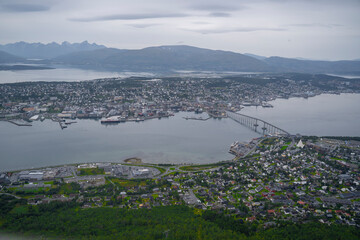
(256, 124)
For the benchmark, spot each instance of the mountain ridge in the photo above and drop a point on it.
(164, 58)
(46, 51)
(6, 57)
(168, 58)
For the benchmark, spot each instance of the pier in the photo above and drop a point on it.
(21, 124)
(199, 118)
(256, 124)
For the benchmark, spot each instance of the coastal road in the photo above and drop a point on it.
(10, 195)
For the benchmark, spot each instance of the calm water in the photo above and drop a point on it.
(324, 115)
(74, 75)
(171, 140)
(60, 74)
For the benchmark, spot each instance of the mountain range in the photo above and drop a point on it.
(165, 59)
(46, 51)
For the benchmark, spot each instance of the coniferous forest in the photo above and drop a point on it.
(70, 221)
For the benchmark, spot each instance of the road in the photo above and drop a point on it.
(10, 195)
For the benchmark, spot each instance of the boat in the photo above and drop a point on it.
(70, 122)
(34, 118)
(234, 144)
(199, 110)
(266, 105)
(247, 104)
(113, 119)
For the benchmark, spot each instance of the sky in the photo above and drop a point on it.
(311, 29)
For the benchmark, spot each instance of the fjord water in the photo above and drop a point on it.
(170, 140)
(323, 115)
(60, 74)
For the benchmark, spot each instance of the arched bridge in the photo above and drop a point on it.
(256, 124)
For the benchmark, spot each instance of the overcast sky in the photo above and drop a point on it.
(315, 29)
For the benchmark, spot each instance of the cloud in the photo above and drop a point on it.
(128, 17)
(217, 7)
(201, 23)
(219, 14)
(23, 7)
(314, 25)
(143, 25)
(229, 30)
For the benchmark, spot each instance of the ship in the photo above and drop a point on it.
(113, 119)
(234, 144)
(34, 118)
(199, 110)
(266, 105)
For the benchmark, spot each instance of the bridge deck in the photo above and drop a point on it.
(254, 123)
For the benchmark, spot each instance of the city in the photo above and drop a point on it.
(296, 179)
(138, 99)
(181, 120)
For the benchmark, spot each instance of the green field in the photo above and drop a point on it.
(200, 167)
(91, 171)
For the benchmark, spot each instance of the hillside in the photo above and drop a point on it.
(310, 66)
(9, 58)
(164, 58)
(170, 58)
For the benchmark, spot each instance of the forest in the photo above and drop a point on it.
(70, 221)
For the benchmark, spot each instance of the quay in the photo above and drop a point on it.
(199, 118)
(21, 124)
(62, 125)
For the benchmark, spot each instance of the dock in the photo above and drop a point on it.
(62, 125)
(21, 124)
(199, 118)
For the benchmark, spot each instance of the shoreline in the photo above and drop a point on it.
(161, 165)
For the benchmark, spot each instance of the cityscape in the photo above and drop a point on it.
(138, 99)
(197, 120)
(274, 178)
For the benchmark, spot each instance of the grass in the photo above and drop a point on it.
(253, 156)
(68, 188)
(91, 171)
(162, 170)
(128, 183)
(284, 147)
(20, 210)
(194, 168)
(200, 167)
